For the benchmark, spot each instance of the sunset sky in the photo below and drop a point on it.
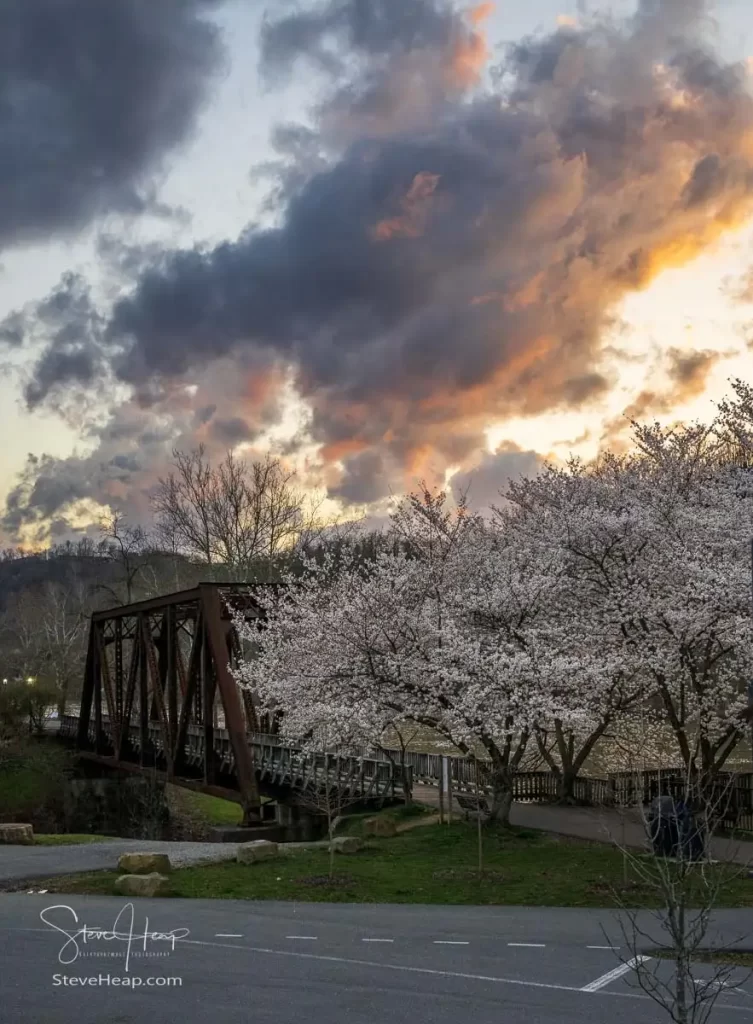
(389, 240)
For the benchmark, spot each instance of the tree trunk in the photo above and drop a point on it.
(683, 979)
(501, 799)
(566, 785)
(330, 833)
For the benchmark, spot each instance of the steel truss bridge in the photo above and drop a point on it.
(159, 697)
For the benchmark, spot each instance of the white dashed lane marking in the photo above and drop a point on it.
(437, 942)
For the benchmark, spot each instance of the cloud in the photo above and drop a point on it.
(742, 289)
(486, 483)
(92, 97)
(67, 327)
(460, 245)
(231, 430)
(687, 372)
(128, 454)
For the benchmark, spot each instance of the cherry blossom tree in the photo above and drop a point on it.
(656, 544)
(447, 631)
(691, 604)
(574, 514)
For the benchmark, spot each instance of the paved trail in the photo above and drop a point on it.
(598, 824)
(18, 863)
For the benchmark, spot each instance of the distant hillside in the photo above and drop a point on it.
(102, 579)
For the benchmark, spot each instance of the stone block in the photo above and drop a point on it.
(379, 827)
(346, 844)
(259, 849)
(20, 835)
(152, 884)
(144, 863)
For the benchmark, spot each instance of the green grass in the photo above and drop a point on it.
(69, 839)
(733, 957)
(212, 809)
(32, 774)
(434, 864)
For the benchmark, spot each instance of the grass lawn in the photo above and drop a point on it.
(69, 839)
(32, 776)
(211, 809)
(734, 957)
(432, 864)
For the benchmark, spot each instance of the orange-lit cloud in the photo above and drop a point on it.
(532, 211)
(687, 371)
(470, 51)
(416, 208)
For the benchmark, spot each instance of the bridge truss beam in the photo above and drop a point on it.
(167, 661)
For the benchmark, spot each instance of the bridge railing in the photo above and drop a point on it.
(276, 762)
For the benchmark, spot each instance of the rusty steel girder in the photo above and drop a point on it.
(168, 661)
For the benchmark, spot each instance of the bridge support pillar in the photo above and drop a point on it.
(301, 825)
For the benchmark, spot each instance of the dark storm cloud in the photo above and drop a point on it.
(45, 486)
(455, 255)
(231, 430)
(362, 480)
(69, 327)
(135, 447)
(93, 95)
(329, 33)
(13, 329)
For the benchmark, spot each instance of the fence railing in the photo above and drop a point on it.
(381, 771)
(732, 797)
(276, 763)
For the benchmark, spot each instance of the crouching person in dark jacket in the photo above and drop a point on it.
(663, 826)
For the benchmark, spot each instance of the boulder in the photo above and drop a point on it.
(144, 863)
(152, 884)
(379, 827)
(22, 835)
(346, 844)
(259, 849)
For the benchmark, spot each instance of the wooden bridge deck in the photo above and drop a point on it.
(283, 772)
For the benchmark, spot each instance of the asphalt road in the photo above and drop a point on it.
(322, 963)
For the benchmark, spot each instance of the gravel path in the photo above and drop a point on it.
(21, 863)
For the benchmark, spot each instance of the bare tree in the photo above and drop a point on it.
(686, 886)
(42, 638)
(234, 516)
(127, 548)
(329, 790)
(64, 627)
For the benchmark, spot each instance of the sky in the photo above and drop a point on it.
(386, 240)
